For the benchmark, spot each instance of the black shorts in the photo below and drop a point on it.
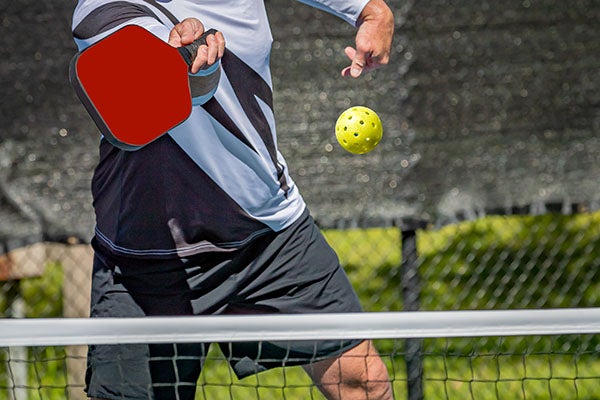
(292, 271)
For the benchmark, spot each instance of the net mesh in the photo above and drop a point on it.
(464, 355)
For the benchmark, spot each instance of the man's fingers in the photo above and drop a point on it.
(216, 47)
(350, 52)
(221, 43)
(373, 39)
(358, 64)
(354, 71)
(186, 32)
(210, 53)
(191, 29)
(174, 38)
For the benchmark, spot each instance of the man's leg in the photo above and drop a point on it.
(357, 374)
(141, 371)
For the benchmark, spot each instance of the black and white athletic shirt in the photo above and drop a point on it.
(217, 181)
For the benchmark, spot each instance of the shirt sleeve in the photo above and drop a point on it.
(95, 19)
(348, 10)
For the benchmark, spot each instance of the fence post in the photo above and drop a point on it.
(76, 261)
(411, 290)
(17, 356)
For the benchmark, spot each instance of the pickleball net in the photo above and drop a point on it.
(512, 354)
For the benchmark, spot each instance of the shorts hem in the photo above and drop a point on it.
(247, 367)
(115, 397)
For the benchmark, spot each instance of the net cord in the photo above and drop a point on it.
(371, 325)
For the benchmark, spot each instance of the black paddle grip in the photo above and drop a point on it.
(188, 52)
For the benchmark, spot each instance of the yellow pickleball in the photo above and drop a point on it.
(358, 129)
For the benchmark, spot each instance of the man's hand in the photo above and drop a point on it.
(191, 29)
(373, 39)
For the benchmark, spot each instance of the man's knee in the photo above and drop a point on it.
(358, 373)
(377, 379)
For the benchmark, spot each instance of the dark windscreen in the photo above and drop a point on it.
(487, 107)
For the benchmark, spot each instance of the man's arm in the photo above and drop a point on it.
(373, 39)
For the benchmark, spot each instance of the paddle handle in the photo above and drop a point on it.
(188, 52)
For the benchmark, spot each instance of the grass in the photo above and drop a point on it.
(508, 377)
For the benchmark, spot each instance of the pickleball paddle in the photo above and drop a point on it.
(134, 85)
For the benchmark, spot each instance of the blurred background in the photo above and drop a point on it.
(483, 193)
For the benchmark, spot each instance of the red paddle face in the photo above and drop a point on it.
(134, 85)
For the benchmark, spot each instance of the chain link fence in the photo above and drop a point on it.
(496, 262)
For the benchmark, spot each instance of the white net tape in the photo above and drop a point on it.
(392, 325)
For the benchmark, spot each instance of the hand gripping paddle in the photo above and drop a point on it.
(134, 86)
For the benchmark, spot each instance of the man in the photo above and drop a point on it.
(207, 220)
